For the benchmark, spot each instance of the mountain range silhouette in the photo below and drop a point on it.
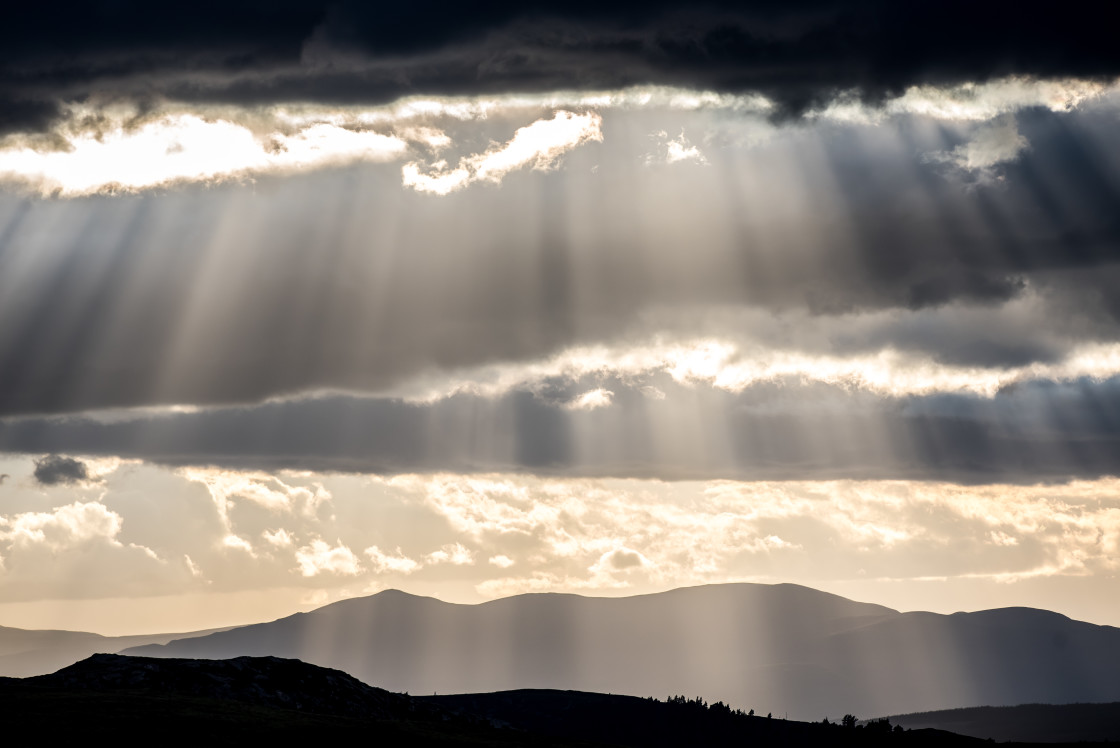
(781, 648)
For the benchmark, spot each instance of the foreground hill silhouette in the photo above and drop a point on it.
(132, 700)
(244, 701)
(780, 648)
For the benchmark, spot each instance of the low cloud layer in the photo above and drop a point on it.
(122, 146)
(644, 426)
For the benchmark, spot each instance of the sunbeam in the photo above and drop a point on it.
(605, 333)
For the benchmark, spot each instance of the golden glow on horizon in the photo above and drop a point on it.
(469, 538)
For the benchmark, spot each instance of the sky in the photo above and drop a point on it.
(302, 301)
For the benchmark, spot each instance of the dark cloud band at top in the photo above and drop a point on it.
(794, 52)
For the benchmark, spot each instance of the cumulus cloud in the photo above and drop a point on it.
(280, 538)
(455, 554)
(63, 527)
(996, 143)
(621, 559)
(537, 146)
(58, 469)
(227, 488)
(395, 563)
(182, 148)
(319, 557)
(82, 549)
(968, 101)
(590, 400)
(674, 150)
(240, 544)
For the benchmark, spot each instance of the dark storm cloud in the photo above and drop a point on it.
(22, 115)
(55, 469)
(1034, 432)
(795, 52)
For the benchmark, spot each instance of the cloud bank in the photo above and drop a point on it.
(648, 427)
